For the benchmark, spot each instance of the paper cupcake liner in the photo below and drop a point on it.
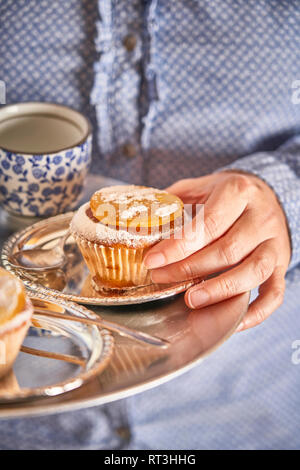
(116, 267)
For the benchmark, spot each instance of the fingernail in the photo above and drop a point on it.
(154, 260)
(198, 297)
(240, 327)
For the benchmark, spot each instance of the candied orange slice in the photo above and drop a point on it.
(12, 296)
(135, 206)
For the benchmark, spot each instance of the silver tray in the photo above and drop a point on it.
(135, 367)
(72, 282)
(57, 355)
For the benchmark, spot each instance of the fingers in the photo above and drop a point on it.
(190, 189)
(223, 207)
(253, 271)
(168, 251)
(181, 187)
(270, 298)
(240, 240)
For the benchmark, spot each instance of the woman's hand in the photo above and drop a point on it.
(244, 230)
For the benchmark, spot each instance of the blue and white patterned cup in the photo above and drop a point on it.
(45, 154)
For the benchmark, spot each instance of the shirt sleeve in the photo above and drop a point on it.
(280, 169)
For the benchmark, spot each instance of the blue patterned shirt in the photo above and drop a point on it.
(174, 89)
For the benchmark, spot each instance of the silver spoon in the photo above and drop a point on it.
(39, 259)
(120, 329)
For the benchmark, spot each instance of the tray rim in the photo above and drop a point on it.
(38, 289)
(68, 385)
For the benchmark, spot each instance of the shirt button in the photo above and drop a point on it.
(129, 42)
(129, 150)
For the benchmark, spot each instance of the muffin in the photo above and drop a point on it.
(15, 318)
(117, 226)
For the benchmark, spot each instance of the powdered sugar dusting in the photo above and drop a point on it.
(131, 201)
(134, 201)
(167, 209)
(133, 211)
(127, 194)
(83, 226)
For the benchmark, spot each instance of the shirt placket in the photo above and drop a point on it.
(117, 85)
